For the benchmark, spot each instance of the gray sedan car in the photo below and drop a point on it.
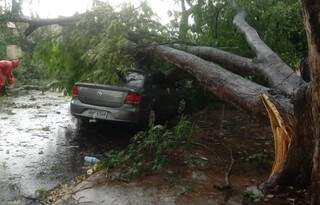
(139, 99)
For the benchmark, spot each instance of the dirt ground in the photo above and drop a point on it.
(225, 133)
(196, 173)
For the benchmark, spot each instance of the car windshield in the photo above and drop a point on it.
(134, 79)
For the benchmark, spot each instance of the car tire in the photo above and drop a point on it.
(82, 124)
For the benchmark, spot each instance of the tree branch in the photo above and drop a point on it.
(34, 24)
(234, 63)
(276, 74)
(230, 87)
(257, 45)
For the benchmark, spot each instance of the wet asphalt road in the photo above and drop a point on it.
(40, 147)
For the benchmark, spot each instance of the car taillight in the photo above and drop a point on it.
(133, 98)
(75, 91)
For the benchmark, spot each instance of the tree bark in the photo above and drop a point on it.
(275, 73)
(230, 87)
(311, 11)
(292, 164)
(278, 73)
(34, 24)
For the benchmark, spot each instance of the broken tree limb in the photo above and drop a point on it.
(257, 45)
(234, 63)
(42, 88)
(281, 136)
(278, 73)
(25, 87)
(34, 24)
(231, 87)
(293, 142)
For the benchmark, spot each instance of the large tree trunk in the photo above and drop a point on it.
(293, 142)
(311, 9)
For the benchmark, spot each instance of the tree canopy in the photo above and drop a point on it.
(90, 47)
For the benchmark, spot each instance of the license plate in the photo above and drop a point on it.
(96, 114)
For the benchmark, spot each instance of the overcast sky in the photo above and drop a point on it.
(55, 8)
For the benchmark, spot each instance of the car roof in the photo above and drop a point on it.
(137, 71)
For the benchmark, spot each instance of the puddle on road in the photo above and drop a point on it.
(36, 145)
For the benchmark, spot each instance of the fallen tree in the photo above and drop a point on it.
(291, 104)
(42, 88)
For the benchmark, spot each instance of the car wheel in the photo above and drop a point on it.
(82, 124)
(151, 118)
(182, 105)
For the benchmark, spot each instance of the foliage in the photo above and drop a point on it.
(252, 194)
(279, 23)
(12, 35)
(148, 150)
(6, 37)
(8, 34)
(27, 72)
(92, 48)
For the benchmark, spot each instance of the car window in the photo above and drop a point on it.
(134, 79)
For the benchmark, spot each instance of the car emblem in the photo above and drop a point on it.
(99, 93)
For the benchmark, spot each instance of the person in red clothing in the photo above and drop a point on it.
(6, 75)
